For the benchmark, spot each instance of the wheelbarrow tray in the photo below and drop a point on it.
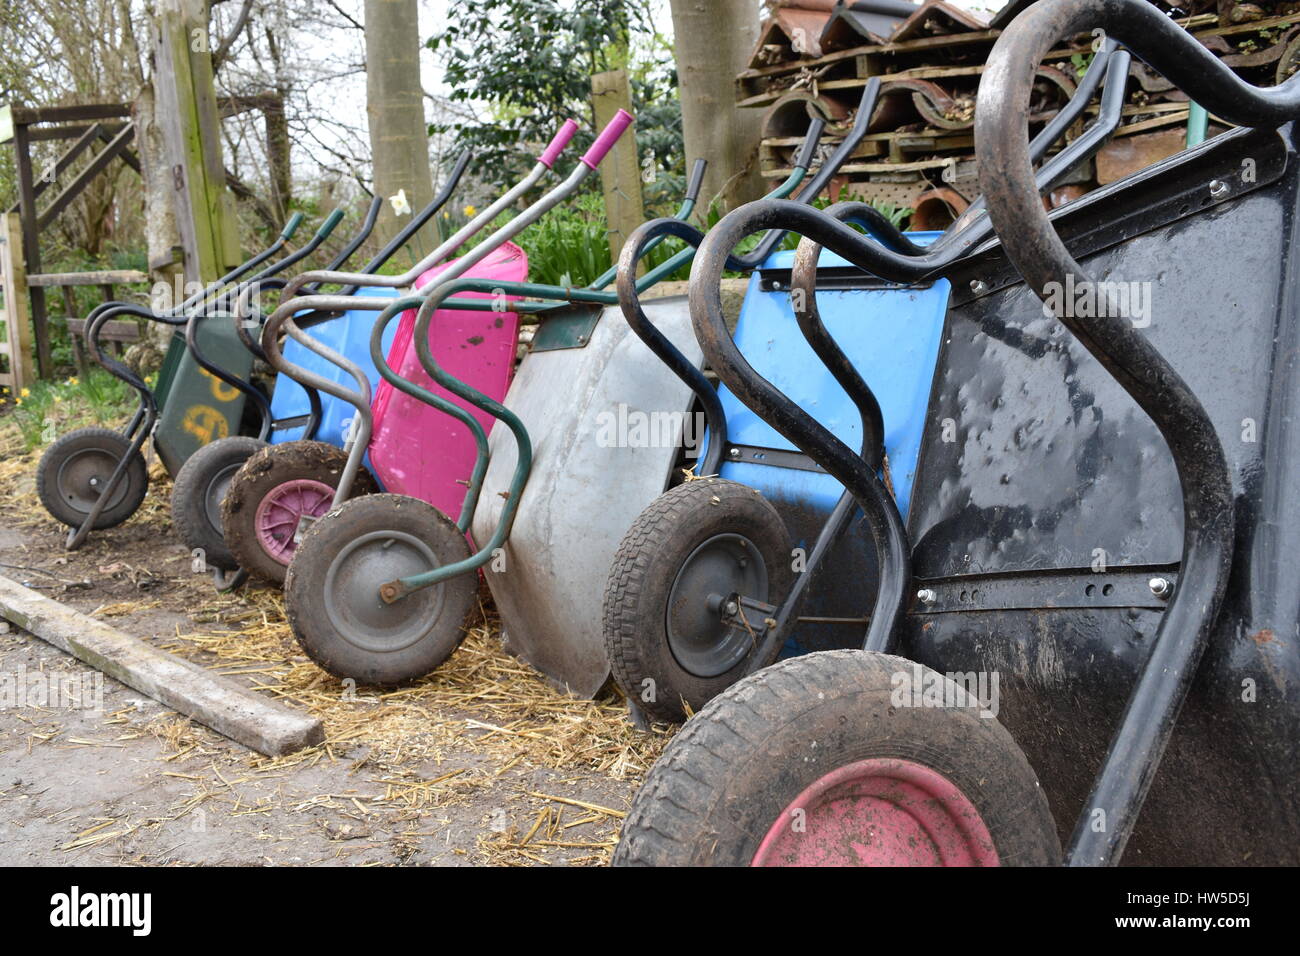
(199, 407)
(349, 335)
(892, 336)
(1040, 527)
(584, 491)
(417, 450)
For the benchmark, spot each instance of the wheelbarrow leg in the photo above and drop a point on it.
(77, 536)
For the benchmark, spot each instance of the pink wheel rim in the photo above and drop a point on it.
(879, 812)
(278, 513)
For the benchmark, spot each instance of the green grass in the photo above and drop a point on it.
(47, 410)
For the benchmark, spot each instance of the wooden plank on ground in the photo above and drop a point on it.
(215, 701)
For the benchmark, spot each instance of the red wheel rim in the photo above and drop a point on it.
(278, 513)
(879, 812)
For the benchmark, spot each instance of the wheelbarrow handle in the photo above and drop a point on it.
(808, 151)
(367, 226)
(696, 182)
(485, 218)
(419, 220)
(610, 135)
(812, 189)
(559, 143)
(291, 226)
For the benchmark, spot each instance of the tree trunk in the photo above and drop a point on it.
(714, 40)
(161, 234)
(399, 140)
(277, 155)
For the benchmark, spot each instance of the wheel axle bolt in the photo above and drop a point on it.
(1219, 189)
(979, 286)
(1161, 587)
(732, 608)
(926, 596)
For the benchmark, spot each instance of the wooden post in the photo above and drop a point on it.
(31, 244)
(620, 173)
(17, 343)
(190, 123)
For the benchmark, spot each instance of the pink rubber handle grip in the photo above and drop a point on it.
(607, 138)
(558, 145)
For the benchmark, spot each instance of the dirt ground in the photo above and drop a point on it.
(480, 763)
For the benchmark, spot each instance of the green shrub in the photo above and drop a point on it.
(47, 410)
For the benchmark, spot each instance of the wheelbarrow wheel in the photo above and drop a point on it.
(694, 546)
(831, 759)
(270, 495)
(332, 590)
(201, 486)
(81, 462)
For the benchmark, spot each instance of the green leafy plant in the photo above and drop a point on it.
(48, 409)
(520, 68)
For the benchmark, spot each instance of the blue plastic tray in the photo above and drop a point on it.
(348, 334)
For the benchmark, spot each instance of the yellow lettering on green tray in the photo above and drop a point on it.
(205, 423)
(221, 391)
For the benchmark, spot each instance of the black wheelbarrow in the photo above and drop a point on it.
(1087, 633)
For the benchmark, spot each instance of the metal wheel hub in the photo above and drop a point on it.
(352, 585)
(701, 642)
(282, 509)
(215, 493)
(879, 812)
(84, 475)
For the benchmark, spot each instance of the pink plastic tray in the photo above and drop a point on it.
(419, 451)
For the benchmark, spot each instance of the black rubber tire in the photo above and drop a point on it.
(270, 467)
(641, 580)
(196, 483)
(735, 768)
(325, 621)
(112, 446)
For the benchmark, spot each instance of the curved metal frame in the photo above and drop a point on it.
(145, 417)
(440, 296)
(964, 234)
(142, 423)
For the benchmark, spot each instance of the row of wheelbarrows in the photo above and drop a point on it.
(1015, 502)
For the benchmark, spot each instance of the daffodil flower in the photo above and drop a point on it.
(26, 393)
(401, 207)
